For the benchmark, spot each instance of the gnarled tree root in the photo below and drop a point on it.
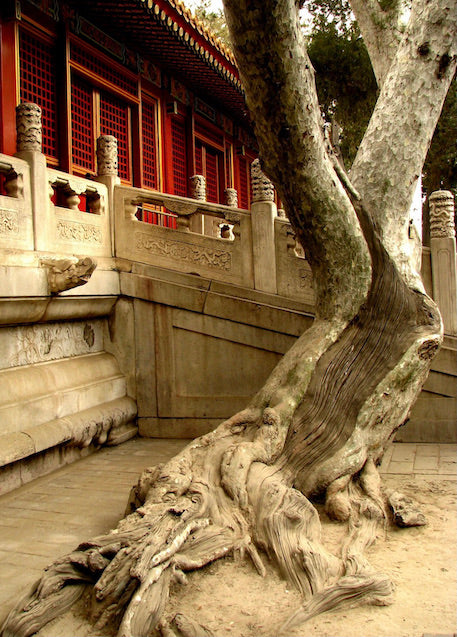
(346, 591)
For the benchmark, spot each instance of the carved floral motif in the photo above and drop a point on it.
(9, 222)
(83, 232)
(205, 257)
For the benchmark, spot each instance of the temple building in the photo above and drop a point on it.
(146, 72)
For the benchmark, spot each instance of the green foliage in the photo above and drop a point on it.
(212, 17)
(440, 168)
(345, 81)
(322, 13)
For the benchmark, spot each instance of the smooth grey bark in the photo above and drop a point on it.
(322, 420)
(381, 30)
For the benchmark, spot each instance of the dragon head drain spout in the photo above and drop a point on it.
(64, 274)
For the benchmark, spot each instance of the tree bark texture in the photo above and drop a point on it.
(321, 422)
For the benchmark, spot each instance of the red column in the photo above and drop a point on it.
(9, 85)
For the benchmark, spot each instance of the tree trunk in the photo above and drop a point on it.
(322, 421)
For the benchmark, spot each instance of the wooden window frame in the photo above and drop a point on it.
(30, 28)
(149, 96)
(210, 136)
(167, 150)
(100, 84)
(220, 168)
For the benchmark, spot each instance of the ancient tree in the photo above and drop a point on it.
(322, 421)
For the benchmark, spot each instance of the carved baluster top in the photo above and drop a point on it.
(198, 187)
(231, 197)
(28, 126)
(107, 157)
(441, 204)
(262, 188)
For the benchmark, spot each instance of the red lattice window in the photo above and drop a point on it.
(243, 195)
(207, 163)
(212, 176)
(178, 145)
(82, 124)
(198, 159)
(38, 85)
(114, 120)
(228, 166)
(108, 72)
(150, 168)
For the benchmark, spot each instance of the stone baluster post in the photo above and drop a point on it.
(29, 148)
(263, 213)
(107, 173)
(198, 191)
(443, 256)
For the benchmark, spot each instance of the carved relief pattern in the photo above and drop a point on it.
(441, 203)
(82, 232)
(107, 161)
(52, 341)
(306, 278)
(9, 222)
(220, 259)
(28, 125)
(262, 188)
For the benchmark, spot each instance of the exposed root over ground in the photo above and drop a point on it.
(186, 520)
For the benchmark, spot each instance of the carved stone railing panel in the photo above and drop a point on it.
(74, 230)
(16, 219)
(293, 272)
(224, 259)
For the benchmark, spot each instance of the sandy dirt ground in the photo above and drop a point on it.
(232, 600)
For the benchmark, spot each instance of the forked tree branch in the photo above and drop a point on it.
(392, 153)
